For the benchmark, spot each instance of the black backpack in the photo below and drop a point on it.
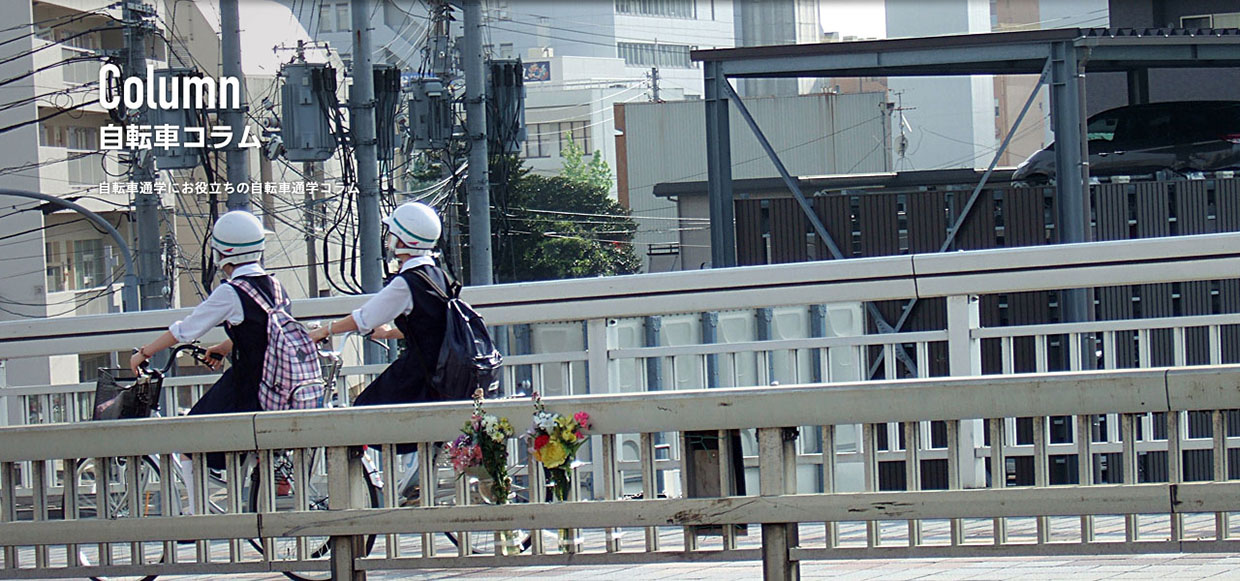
(468, 359)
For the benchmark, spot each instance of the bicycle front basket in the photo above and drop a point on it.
(118, 396)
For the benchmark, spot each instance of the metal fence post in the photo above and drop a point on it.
(965, 359)
(598, 375)
(777, 540)
(344, 472)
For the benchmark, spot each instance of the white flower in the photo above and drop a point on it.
(545, 421)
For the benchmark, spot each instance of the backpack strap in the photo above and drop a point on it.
(439, 291)
(260, 298)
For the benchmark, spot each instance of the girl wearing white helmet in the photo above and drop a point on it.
(237, 240)
(419, 313)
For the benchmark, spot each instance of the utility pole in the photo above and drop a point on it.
(439, 49)
(151, 279)
(234, 117)
(654, 85)
(477, 181)
(362, 126)
(311, 170)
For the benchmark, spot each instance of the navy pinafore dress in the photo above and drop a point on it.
(236, 391)
(407, 380)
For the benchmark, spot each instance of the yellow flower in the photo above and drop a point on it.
(552, 455)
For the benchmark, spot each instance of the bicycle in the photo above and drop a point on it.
(122, 484)
(285, 495)
(121, 490)
(408, 485)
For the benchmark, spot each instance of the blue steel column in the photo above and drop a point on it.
(719, 169)
(710, 334)
(1071, 163)
(764, 316)
(654, 365)
(817, 328)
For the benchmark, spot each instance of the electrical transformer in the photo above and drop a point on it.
(505, 105)
(177, 156)
(307, 104)
(430, 114)
(387, 100)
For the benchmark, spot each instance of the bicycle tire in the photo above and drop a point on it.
(317, 501)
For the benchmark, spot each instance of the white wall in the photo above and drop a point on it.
(952, 118)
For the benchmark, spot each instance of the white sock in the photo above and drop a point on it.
(187, 469)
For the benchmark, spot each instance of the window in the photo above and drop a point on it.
(343, 21)
(89, 264)
(57, 267)
(641, 54)
(85, 169)
(550, 139)
(1227, 20)
(78, 71)
(52, 136)
(539, 140)
(90, 363)
(1195, 22)
(1216, 20)
(1102, 128)
(334, 17)
(576, 131)
(672, 8)
(325, 18)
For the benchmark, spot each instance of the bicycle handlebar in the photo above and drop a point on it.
(344, 338)
(195, 350)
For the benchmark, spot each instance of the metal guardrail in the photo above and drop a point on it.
(1154, 516)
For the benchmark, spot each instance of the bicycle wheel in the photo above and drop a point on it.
(113, 492)
(286, 499)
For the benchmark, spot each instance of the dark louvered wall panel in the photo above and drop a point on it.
(879, 235)
(1192, 212)
(835, 212)
(927, 229)
(1150, 205)
(1227, 203)
(788, 223)
(1154, 221)
(1111, 202)
(750, 242)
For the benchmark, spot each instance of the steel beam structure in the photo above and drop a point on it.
(719, 168)
(1067, 91)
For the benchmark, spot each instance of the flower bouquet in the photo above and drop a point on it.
(483, 447)
(554, 441)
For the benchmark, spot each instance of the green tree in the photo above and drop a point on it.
(554, 227)
(595, 173)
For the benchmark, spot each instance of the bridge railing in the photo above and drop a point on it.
(57, 534)
(589, 328)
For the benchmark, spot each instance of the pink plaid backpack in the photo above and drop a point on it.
(291, 376)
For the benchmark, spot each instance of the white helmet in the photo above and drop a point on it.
(238, 238)
(416, 225)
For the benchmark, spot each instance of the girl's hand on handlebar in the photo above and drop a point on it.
(137, 361)
(319, 335)
(387, 332)
(216, 354)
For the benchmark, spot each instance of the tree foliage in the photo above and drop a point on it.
(594, 173)
(564, 226)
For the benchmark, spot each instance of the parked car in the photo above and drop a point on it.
(1180, 136)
